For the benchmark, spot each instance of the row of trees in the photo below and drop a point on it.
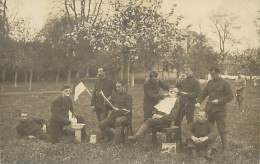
(134, 35)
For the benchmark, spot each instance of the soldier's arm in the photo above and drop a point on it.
(203, 94)
(163, 85)
(149, 93)
(93, 98)
(227, 95)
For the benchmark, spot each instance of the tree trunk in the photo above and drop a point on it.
(25, 78)
(69, 77)
(57, 78)
(3, 75)
(15, 78)
(78, 74)
(30, 79)
(128, 72)
(87, 72)
(132, 76)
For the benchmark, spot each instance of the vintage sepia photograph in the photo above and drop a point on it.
(129, 81)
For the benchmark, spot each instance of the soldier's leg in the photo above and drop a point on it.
(106, 124)
(121, 123)
(221, 125)
(145, 127)
(190, 114)
(148, 114)
(55, 131)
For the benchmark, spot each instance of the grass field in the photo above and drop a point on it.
(243, 134)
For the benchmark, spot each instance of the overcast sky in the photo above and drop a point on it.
(195, 12)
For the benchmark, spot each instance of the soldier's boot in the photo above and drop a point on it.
(144, 127)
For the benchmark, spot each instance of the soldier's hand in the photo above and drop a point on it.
(197, 105)
(215, 101)
(92, 108)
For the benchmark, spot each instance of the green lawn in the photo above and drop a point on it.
(242, 134)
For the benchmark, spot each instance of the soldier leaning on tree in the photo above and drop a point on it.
(219, 93)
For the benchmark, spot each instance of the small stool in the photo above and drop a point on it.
(169, 131)
(77, 127)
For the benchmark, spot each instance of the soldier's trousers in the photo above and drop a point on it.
(185, 110)
(101, 112)
(220, 119)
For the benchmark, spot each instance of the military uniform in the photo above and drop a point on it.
(106, 85)
(60, 108)
(114, 119)
(31, 127)
(187, 101)
(200, 129)
(221, 90)
(152, 96)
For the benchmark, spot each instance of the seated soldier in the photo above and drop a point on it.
(60, 108)
(152, 125)
(200, 136)
(117, 117)
(31, 127)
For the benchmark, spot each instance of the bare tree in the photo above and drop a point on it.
(224, 24)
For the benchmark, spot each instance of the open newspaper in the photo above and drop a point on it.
(166, 105)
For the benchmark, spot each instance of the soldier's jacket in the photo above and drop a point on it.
(120, 100)
(216, 89)
(60, 110)
(192, 87)
(30, 127)
(201, 129)
(152, 94)
(107, 86)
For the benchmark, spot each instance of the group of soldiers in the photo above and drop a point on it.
(200, 133)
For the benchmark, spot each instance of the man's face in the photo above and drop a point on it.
(154, 78)
(188, 72)
(101, 73)
(66, 92)
(214, 75)
(119, 87)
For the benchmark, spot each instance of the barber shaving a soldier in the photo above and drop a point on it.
(159, 119)
(59, 121)
(120, 113)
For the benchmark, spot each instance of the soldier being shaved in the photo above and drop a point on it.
(116, 117)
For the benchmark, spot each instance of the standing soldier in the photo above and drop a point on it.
(219, 93)
(152, 95)
(190, 87)
(97, 102)
(240, 84)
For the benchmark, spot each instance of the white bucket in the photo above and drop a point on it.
(93, 139)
